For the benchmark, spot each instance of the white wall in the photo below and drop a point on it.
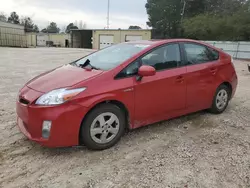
(31, 39)
(119, 35)
(58, 39)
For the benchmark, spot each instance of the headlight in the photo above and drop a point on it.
(58, 96)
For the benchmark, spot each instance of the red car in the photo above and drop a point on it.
(91, 101)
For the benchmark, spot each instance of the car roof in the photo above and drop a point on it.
(158, 42)
(162, 41)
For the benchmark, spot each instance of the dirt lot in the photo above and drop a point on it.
(198, 150)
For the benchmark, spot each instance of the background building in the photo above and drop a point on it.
(53, 39)
(101, 38)
(12, 35)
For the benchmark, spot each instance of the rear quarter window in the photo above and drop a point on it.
(198, 53)
(215, 55)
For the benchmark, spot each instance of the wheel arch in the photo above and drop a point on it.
(119, 104)
(229, 85)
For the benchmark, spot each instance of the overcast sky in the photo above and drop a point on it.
(123, 13)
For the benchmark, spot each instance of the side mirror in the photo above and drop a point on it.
(146, 70)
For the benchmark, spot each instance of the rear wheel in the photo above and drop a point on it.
(103, 127)
(221, 100)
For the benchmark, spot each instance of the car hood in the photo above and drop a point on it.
(62, 77)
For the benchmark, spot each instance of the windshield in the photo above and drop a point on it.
(112, 56)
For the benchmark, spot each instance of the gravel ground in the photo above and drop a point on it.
(198, 150)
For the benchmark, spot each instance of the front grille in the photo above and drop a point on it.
(24, 101)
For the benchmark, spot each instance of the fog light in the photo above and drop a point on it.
(46, 129)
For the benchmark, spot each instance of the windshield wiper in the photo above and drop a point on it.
(86, 64)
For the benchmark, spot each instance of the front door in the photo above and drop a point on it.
(158, 95)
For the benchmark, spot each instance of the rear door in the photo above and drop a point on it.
(202, 67)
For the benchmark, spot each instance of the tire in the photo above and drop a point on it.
(99, 131)
(221, 91)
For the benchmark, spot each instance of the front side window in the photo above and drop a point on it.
(111, 57)
(130, 70)
(166, 57)
(197, 54)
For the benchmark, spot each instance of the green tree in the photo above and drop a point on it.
(35, 29)
(201, 27)
(52, 28)
(27, 23)
(134, 27)
(69, 27)
(217, 27)
(3, 17)
(240, 21)
(164, 17)
(29, 26)
(14, 18)
(44, 30)
(223, 7)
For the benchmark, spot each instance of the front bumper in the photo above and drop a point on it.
(23, 129)
(66, 122)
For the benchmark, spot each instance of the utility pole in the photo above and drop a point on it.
(108, 15)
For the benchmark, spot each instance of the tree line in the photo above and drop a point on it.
(29, 25)
(26, 21)
(200, 19)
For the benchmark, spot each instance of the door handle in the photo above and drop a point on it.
(180, 79)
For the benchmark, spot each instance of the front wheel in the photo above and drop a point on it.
(221, 100)
(103, 127)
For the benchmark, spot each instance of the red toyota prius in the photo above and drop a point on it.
(91, 101)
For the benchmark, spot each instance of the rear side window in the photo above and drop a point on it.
(166, 57)
(197, 54)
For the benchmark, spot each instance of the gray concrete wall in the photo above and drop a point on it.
(238, 50)
(76, 39)
(12, 35)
